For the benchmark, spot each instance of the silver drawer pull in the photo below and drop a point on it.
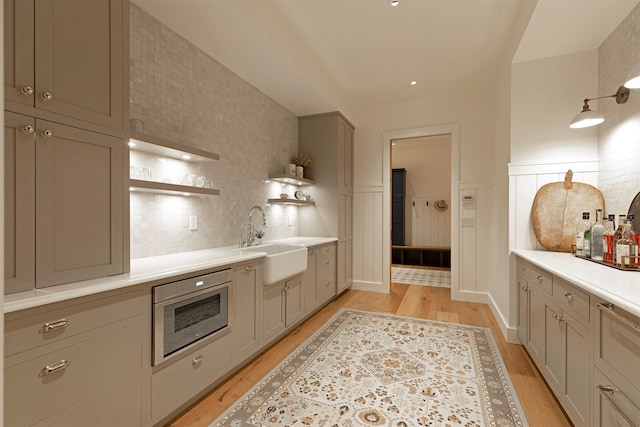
(28, 129)
(26, 90)
(50, 369)
(52, 326)
(607, 392)
(522, 268)
(608, 308)
(558, 318)
(540, 279)
(46, 96)
(197, 360)
(249, 268)
(569, 297)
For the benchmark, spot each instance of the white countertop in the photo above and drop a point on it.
(622, 288)
(149, 269)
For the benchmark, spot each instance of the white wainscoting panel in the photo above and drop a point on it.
(367, 243)
(429, 226)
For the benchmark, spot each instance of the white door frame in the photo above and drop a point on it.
(387, 137)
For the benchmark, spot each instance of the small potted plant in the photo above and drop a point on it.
(301, 161)
(259, 235)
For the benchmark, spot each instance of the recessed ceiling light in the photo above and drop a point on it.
(186, 156)
(413, 83)
(394, 2)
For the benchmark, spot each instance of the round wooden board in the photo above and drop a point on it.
(556, 211)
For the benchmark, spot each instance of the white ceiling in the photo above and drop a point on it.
(314, 56)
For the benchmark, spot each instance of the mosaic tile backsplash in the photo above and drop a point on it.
(179, 93)
(619, 135)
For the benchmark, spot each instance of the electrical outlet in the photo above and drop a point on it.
(193, 223)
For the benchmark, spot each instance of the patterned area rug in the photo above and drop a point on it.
(371, 369)
(421, 276)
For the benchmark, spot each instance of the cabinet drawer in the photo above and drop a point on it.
(326, 250)
(327, 266)
(617, 343)
(571, 297)
(93, 365)
(614, 404)
(26, 332)
(326, 288)
(535, 276)
(177, 383)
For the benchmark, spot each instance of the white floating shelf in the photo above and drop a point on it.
(295, 202)
(154, 145)
(291, 179)
(172, 189)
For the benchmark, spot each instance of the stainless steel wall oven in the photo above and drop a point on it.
(189, 310)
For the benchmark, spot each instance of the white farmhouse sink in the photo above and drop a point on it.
(282, 261)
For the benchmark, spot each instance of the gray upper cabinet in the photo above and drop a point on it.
(65, 64)
(64, 61)
(19, 205)
(328, 140)
(79, 199)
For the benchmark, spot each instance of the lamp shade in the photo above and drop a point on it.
(585, 119)
(633, 83)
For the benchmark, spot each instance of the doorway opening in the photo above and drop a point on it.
(420, 214)
(429, 240)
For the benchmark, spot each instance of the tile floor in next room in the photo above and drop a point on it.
(426, 302)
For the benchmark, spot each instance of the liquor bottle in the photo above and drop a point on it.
(580, 229)
(597, 231)
(586, 241)
(607, 239)
(626, 247)
(622, 220)
(635, 249)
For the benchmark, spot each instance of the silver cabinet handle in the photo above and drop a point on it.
(46, 133)
(58, 366)
(46, 96)
(607, 392)
(569, 297)
(608, 308)
(197, 360)
(327, 284)
(249, 268)
(26, 90)
(52, 326)
(522, 267)
(558, 318)
(540, 279)
(28, 129)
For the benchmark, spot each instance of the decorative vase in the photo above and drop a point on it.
(299, 171)
(291, 169)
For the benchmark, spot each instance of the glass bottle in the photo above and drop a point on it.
(586, 241)
(626, 247)
(581, 227)
(597, 231)
(607, 239)
(635, 249)
(622, 220)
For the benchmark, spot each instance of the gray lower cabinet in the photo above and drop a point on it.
(587, 350)
(319, 280)
(71, 363)
(616, 359)
(245, 322)
(66, 60)
(64, 218)
(282, 306)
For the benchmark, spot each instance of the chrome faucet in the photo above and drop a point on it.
(247, 234)
(262, 214)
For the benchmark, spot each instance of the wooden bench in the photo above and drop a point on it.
(434, 256)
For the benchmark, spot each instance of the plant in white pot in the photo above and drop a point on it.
(301, 161)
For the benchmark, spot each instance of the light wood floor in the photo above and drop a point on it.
(427, 302)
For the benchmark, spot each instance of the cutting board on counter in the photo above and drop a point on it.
(558, 207)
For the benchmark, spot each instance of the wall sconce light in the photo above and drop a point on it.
(587, 118)
(633, 83)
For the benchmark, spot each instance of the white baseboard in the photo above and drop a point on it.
(510, 334)
(369, 286)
